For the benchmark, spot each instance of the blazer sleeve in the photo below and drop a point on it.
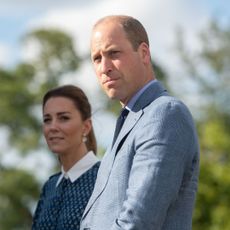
(162, 149)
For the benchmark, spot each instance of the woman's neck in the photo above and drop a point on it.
(68, 160)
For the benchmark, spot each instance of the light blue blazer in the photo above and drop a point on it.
(148, 180)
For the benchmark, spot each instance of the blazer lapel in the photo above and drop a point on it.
(109, 157)
(149, 95)
(129, 123)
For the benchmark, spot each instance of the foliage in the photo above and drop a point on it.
(209, 71)
(55, 56)
(160, 74)
(209, 68)
(212, 206)
(18, 190)
(17, 102)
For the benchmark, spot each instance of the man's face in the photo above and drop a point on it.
(119, 68)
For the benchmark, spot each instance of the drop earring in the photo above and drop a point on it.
(84, 138)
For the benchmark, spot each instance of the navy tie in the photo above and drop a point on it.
(120, 122)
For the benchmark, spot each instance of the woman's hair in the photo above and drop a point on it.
(81, 103)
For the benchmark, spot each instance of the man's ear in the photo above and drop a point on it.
(144, 51)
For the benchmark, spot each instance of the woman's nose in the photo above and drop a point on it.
(54, 125)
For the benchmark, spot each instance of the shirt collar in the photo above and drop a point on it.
(79, 168)
(133, 100)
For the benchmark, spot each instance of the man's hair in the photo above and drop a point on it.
(133, 29)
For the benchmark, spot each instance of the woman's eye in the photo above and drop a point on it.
(64, 118)
(46, 120)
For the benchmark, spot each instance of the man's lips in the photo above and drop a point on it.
(108, 80)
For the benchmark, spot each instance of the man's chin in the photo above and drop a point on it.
(112, 96)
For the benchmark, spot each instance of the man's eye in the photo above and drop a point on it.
(114, 53)
(97, 59)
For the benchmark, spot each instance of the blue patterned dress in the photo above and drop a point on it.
(62, 207)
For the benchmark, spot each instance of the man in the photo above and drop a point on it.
(148, 179)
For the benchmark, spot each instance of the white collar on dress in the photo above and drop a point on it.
(79, 168)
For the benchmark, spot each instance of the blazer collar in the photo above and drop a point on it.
(154, 91)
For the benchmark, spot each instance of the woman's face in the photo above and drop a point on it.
(63, 126)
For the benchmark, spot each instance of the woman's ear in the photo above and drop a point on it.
(87, 126)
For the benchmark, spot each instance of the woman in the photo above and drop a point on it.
(68, 131)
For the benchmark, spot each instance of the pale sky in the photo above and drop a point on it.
(160, 17)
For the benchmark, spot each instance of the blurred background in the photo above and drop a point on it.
(44, 44)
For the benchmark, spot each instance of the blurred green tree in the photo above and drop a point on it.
(209, 71)
(55, 56)
(16, 104)
(18, 192)
(208, 67)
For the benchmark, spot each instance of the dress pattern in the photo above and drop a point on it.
(61, 207)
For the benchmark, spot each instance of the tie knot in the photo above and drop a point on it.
(124, 112)
(120, 121)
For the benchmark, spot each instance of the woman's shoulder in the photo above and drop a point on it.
(55, 176)
(52, 181)
(91, 173)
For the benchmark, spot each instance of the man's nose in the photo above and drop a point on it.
(106, 66)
